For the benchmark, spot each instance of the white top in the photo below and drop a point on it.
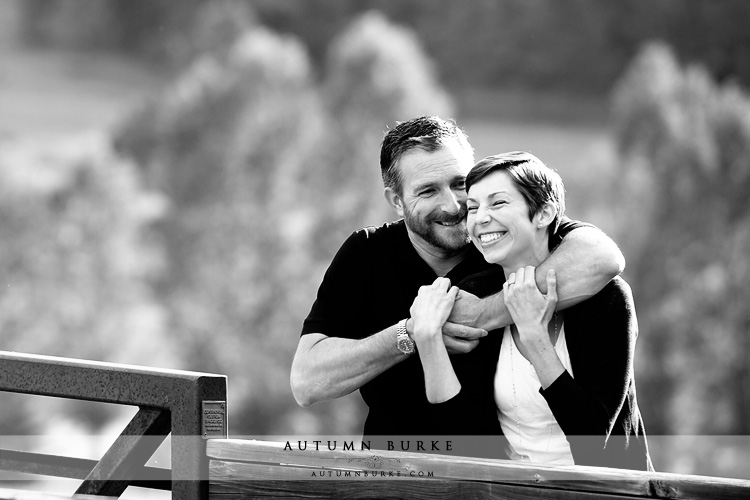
(525, 416)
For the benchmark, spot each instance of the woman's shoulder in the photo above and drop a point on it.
(617, 287)
(611, 310)
(618, 291)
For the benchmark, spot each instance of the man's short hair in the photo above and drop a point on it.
(428, 133)
(537, 183)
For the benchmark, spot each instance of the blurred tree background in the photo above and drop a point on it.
(194, 232)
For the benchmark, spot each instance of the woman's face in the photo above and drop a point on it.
(498, 224)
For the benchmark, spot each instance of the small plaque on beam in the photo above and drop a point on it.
(214, 419)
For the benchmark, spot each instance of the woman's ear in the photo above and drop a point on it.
(395, 200)
(546, 215)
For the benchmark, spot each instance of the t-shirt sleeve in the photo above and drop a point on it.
(563, 229)
(340, 295)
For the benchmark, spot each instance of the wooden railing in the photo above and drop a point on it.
(260, 469)
(190, 405)
(193, 406)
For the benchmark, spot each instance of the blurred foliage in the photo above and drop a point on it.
(576, 45)
(226, 144)
(76, 257)
(154, 29)
(682, 189)
(266, 172)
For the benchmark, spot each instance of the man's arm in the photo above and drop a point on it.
(326, 367)
(330, 367)
(585, 261)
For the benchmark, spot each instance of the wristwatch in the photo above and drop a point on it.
(403, 342)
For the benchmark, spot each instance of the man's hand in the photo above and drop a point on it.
(466, 310)
(460, 339)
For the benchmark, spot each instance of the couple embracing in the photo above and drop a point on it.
(483, 312)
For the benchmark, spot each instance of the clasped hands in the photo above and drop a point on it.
(442, 310)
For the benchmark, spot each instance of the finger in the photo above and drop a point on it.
(552, 285)
(456, 330)
(508, 285)
(463, 294)
(442, 284)
(453, 292)
(530, 275)
(520, 275)
(459, 346)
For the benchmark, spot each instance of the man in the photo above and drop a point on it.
(357, 335)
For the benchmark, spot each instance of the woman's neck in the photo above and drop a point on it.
(533, 256)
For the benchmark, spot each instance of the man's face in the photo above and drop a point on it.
(434, 198)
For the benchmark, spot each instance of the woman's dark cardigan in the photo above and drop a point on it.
(597, 410)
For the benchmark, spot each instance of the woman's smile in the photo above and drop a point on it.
(488, 239)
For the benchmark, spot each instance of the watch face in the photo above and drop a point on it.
(406, 346)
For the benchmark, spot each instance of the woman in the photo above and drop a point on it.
(563, 381)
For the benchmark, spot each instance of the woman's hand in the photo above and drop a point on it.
(531, 311)
(429, 312)
(431, 309)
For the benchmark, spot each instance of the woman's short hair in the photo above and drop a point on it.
(537, 183)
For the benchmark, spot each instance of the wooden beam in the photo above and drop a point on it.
(236, 461)
(377, 489)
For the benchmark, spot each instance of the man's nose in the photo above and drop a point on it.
(450, 202)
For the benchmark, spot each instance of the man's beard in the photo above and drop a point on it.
(453, 238)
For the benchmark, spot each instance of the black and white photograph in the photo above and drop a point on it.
(374, 249)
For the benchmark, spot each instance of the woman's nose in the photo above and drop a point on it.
(483, 216)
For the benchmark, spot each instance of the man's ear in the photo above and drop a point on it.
(546, 214)
(395, 200)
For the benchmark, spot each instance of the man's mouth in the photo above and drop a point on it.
(449, 223)
(488, 238)
(451, 220)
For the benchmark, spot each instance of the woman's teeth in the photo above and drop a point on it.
(490, 237)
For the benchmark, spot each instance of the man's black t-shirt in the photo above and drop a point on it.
(371, 285)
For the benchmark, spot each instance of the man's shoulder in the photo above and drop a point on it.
(385, 234)
(394, 229)
(372, 242)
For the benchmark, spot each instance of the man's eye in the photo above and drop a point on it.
(472, 209)
(427, 192)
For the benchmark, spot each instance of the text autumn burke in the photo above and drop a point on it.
(417, 445)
